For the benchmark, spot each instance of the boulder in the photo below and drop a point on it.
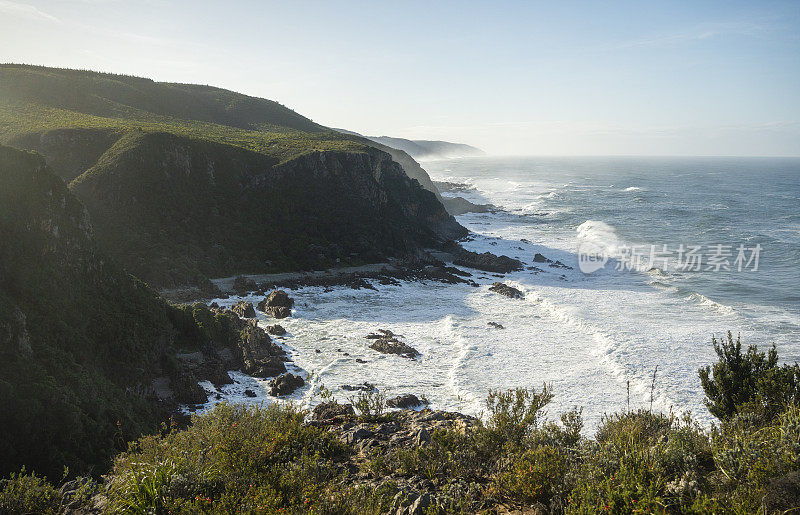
(495, 325)
(260, 357)
(538, 258)
(391, 345)
(244, 309)
(277, 304)
(243, 284)
(330, 410)
(363, 387)
(508, 291)
(488, 262)
(404, 401)
(276, 330)
(285, 384)
(250, 393)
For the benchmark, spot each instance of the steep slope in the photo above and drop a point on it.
(80, 340)
(175, 210)
(189, 182)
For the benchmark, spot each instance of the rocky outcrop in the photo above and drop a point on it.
(508, 291)
(386, 342)
(487, 261)
(285, 384)
(276, 330)
(332, 410)
(260, 357)
(277, 304)
(407, 400)
(244, 309)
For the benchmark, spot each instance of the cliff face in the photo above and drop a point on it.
(174, 210)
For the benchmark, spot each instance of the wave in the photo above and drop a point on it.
(701, 299)
(632, 188)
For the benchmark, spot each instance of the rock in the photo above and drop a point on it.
(363, 387)
(186, 390)
(250, 393)
(260, 357)
(243, 284)
(276, 330)
(356, 435)
(538, 258)
(381, 333)
(330, 410)
(508, 291)
(422, 437)
(495, 325)
(391, 345)
(488, 262)
(406, 400)
(277, 304)
(244, 309)
(285, 384)
(421, 505)
(782, 493)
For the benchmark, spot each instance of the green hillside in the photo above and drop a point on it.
(189, 182)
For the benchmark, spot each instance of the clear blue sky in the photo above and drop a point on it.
(639, 77)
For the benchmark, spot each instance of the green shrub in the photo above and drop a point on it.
(752, 379)
(26, 493)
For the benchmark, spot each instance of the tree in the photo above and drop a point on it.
(752, 381)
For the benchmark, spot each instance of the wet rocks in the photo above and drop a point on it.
(495, 325)
(363, 387)
(276, 330)
(250, 393)
(260, 357)
(285, 384)
(508, 291)
(404, 401)
(386, 342)
(244, 309)
(487, 262)
(277, 304)
(242, 284)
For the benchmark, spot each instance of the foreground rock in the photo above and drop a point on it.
(488, 262)
(277, 304)
(244, 309)
(508, 291)
(332, 410)
(285, 384)
(405, 401)
(386, 342)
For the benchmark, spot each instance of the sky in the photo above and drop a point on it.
(522, 78)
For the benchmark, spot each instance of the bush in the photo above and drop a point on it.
(26, 493)
(751, 381)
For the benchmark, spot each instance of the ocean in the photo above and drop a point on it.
(680, 250)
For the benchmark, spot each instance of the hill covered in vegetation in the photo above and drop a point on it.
(429, 149)
(189, 182)
(82, 342)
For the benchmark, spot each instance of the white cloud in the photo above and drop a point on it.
(25, 11)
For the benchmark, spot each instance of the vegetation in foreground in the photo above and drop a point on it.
(255, 460)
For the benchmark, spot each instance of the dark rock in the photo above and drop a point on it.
(538, 258)
(285, 384)
(495, 325)
(186, 390)
(260, 357)
(783, 493)
(244, 309)
(359, 360)
(356, 435)
(277, 304)
(407, 400)
(487, 261)
(243, 284)
(276, 329)
(250, 393)
(422, 438)
(363, 387)
(381, 333)
(508, 291)
(391, 345)
(331, 410)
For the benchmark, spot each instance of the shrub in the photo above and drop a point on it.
(752, 379)
(514, 414)
(27, 493)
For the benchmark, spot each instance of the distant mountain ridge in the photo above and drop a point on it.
(429, 149)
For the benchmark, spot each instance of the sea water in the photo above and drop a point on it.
(632, 333)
